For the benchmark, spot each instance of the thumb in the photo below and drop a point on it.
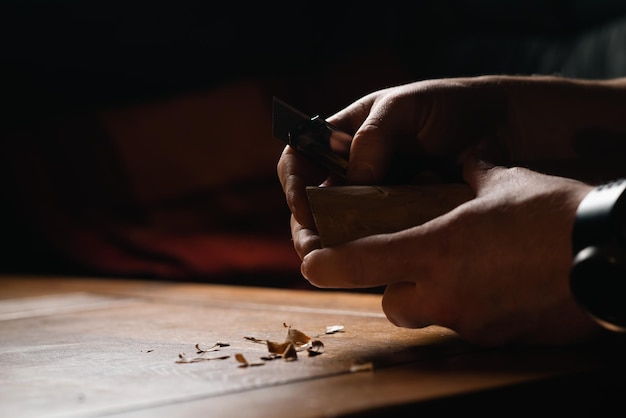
(369, 155)
(476, 173)
(367, 262)
(381, 259)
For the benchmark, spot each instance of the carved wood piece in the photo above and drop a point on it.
(346, 213)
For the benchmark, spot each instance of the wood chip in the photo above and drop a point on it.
(361, 367)
(290, 353)
(182, 358)
(315, 347)
(334, 328)
(277, 348)
(215, 347)
(243, 362)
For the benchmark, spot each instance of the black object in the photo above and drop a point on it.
(318, 140)
(598, 274)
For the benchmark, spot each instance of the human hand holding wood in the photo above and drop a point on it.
(496, 268)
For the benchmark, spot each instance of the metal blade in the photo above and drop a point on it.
(285, 119)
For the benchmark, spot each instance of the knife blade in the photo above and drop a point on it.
(319, 141)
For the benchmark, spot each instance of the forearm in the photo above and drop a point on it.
(567, 126)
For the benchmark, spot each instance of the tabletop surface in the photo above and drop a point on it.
(74, 347)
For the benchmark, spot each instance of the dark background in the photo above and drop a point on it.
(73, 53)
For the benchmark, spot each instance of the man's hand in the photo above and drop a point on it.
(495, 269)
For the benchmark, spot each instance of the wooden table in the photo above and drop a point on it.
(74, 347)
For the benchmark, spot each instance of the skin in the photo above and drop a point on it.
(495, 269)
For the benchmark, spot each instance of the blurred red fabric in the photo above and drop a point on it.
(182, 188)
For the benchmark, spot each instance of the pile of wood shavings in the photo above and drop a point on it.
(295, 341)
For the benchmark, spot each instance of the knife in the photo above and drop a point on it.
(317, 140)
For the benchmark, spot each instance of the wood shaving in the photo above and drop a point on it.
(255, 340)
(315, 347)
(277, 348)
(271, 357)
(361, 367)
(245, 363)
(334, 328)
(295, 336)
(295, 341)
(290, 353)
(215, 347)
(182, 358)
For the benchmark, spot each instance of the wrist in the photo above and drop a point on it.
(598, 274)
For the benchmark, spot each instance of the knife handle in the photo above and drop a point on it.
(323, 144)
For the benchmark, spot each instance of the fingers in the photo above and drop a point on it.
(368, 150)
(305, 239)
(293, 173)
(376, 122)
(350, 118)
(376, 140)
(403, 306)
(370, 154)
(375, 260)
(476, 173)
(417, 266)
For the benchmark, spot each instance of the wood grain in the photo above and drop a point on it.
(118, 357)
(345, 213)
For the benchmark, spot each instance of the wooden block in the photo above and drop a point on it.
(345, 213)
